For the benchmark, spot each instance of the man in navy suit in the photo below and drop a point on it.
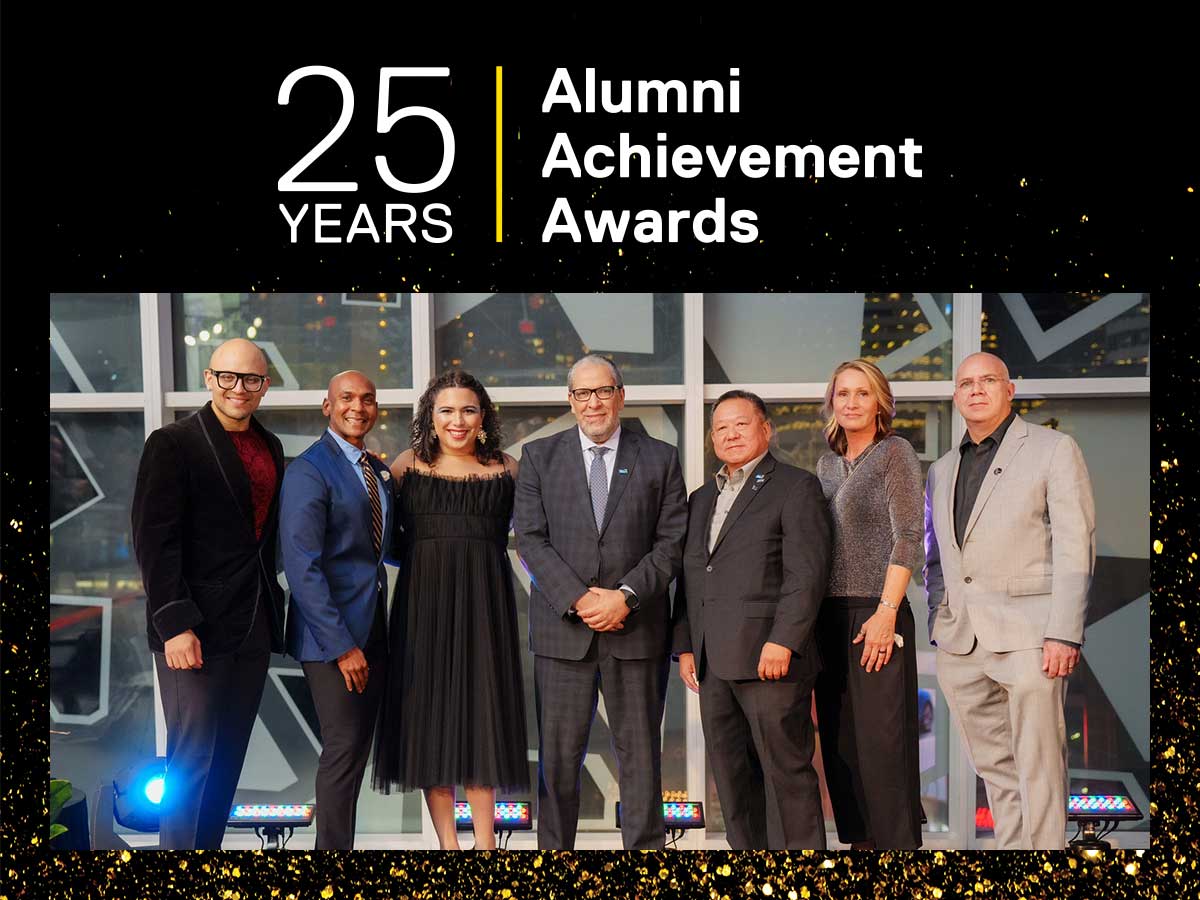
(335, 523)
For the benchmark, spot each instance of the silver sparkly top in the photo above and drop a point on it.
(878, 508)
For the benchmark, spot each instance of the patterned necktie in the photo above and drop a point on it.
(376, 506)
(598, 480)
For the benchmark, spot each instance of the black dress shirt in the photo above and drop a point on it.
(976, 460)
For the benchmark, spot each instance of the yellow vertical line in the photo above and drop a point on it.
(499, 155)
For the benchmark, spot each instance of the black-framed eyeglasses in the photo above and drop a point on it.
(583, 395)
(251, 381)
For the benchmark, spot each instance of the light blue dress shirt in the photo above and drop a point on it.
(352, 454)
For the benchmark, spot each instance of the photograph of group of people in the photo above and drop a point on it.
(766, 587)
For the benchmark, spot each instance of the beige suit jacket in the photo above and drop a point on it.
(1025, 566)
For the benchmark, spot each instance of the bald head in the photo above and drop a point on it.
(983, 393)
(990, 361)
(351, 406)
(239, 355)
(237, 360)
(350, 376)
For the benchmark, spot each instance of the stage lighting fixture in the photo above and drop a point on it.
(1098, 816)
(154, 789)
(510, 816)
(678, 816)
(270, 820)
(139, 791)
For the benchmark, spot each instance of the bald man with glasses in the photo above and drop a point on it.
(600, 515)
(205, 516)
(1010, 547)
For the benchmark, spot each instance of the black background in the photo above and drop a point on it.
(141, 153)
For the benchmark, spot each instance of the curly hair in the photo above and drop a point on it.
(424, 442)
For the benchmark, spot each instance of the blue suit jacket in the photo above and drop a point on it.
(332, 569)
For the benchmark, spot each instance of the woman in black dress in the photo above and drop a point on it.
(454, 711)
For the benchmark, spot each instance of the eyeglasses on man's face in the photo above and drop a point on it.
(987, 382)
(583, 395)
(251, 381)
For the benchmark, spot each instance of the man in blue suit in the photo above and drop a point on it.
(335, 523)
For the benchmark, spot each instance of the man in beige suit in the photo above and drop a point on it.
(1010, 549)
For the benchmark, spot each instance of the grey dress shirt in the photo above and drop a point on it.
(728, 487)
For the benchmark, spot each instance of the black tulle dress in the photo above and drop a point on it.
(454, 709)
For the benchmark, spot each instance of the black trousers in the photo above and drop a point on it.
(868, 726)
(566, 696)
(210, 713)
(760, 744)
(347, 721)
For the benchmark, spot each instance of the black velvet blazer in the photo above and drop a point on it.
(193, 533)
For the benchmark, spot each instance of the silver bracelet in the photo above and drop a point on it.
(894, 606)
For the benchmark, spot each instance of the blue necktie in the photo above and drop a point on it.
(598, 480)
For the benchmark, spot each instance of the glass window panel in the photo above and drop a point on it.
(101, 682)
(1108, 697)
(526, 423)
(799, 441)
(769, 338)
(532, 339)
(95, 343)
(1073, 335)
(298, 428)
(307, 337)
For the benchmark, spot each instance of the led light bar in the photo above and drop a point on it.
(1101, 806)
(252, 815)
(677, 815)
(512, 815)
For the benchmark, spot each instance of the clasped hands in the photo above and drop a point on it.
(602, 609)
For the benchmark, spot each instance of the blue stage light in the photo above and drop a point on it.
(139, 791)
(154, 789)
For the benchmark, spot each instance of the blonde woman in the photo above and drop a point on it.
(867, 691)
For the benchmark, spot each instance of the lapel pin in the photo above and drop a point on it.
(622, 471)
(385, 475)
(998, 471)
(758, 476)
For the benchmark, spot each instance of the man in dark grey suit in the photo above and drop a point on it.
(599, 517)
(755, 568)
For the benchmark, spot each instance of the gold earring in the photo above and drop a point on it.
(481, 437)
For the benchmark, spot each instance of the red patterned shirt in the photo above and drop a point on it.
(256, 458)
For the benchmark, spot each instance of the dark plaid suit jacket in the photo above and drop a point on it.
(640, 544)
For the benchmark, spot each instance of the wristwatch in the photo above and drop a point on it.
(631, 599)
